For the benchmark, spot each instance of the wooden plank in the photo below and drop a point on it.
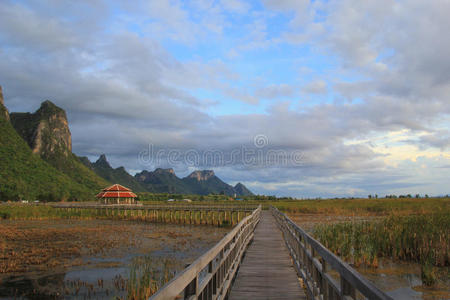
(349, 276)
(266, 271)
(229, 248)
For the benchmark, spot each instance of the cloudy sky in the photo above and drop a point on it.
(291, 97)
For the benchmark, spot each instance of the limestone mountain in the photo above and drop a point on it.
(163, 181)
(201, 175)
(37, 163)
(119, 175)
(242, 190)
(198, 182)
(206, 182)
(47, 133)
(24, 175)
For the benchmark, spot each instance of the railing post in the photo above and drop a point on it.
(191, 289)
(324, 287)
(347, 289)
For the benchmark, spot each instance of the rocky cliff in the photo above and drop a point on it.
(206, 182)
(202, 182)
(162, 181)
(26, 176)
(46, 131)
(3, 110)
(202, 175)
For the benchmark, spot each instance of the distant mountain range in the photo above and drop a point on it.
(166, 181)
(36, 162)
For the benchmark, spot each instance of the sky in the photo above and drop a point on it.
(293, 98)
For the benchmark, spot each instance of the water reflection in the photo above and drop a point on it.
(160, 252)
(32, 287)
(402, 281)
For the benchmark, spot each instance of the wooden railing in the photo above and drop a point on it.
(157, 206)
(325, 275)
(210, 276)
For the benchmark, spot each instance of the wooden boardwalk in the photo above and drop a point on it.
(266, 271)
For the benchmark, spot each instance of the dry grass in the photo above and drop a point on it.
(24, 248)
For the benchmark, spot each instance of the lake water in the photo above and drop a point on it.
(98, 259)
(399, 280)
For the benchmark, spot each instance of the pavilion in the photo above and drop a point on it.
(117, 194)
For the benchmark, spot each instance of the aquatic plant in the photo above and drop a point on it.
(148, 274)
(365, 207)
(418, 238)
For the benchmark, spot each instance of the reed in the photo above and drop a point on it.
(148, 274)
(365, 207)
(418, 238)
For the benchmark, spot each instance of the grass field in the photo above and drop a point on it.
(418, 238)
(365, 207)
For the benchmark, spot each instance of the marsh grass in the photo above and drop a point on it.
(148, 274)
(418, 238)
(42, 212)
(365, 207)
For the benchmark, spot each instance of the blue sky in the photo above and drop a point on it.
(352, 96)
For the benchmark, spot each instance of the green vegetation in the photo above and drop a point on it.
(348, 207)
(418, 238)
(410, 229)
(26, 176)
(162, 181)
(48, 127)
(119, 175)
(208, 185)
(42, 212)
(364, 207)
(148, 274)
(198, 182)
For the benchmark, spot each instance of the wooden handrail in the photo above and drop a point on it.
(314, 262)
(158, 207)
(210, 276)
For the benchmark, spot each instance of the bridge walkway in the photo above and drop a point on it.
(266, 271)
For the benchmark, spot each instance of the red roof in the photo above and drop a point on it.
(116, 191)
(117, 188)
(116, 195)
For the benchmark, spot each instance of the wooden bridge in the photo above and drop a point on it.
(221, 215)
(267, 256)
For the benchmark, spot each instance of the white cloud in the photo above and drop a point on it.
(390, 66)
(236, 6)
(315, 87)
(275, 91)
